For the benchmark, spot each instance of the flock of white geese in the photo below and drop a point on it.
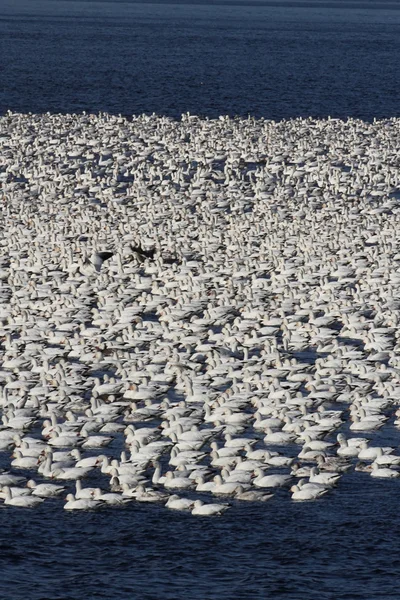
(196, 310)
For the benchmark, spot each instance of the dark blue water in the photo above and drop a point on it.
(268, 59)
(343, 547)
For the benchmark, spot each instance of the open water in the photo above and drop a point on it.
(273, 59)
(341, 547)
(268, 59)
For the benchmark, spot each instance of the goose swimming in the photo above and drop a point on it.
(270, 481)
(197, 304)
(174, 502)
(82, 504)
(305, 494)
(251, 495)
(20, 501)
(45, 490)
(202, 509)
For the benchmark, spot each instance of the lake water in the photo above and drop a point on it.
(268, 59)
(342, 547)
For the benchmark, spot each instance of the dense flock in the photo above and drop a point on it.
(196, 312)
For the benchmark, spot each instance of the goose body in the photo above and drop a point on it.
(72, 473)
(208, 510)
(111, 498)
(327, 478)
(384, 472)
(9, 479)
(96, 441)
(45, 490)
(224, 488)
(306, 494)
(15, 491)
(23, 462)
(144, 494)
(174, 502)
(251, 495)
(20, 501)
(173, 481)
(83, 492)
(270, 481)
(82, 504)
(372, 452)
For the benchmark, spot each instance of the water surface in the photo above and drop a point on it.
(267, 59)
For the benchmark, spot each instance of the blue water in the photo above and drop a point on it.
(267, 59)
(342, 547)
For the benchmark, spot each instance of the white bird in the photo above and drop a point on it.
(270, 481)
(345, 449)
(386, 472)
(201, 509)
(23, 462)
(372, 452)
(306, 493)
(174, 502)
(174, 481)
(82, 504)
(225, 488)
(15, 491)
(327, 478)
(96, 441)
(45, 490)
(20, 501)
(144, 494)
(251, 495)
(112, 498)
(72, 473)
(10, 479)
(83, 492)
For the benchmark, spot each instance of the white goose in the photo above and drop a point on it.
(82, 504)
(15, 491)
(203, 510)
(345, 449)
(327, 478)
(251, 495)
(144, 494)
(176, 482)
(305, 494)
(111, 498)
(225, 488)
(367, 452)
(45, 490)
(174, 502)
(10, 479)
(384, 472)
(270, 481)
(20, 501)
(23, 462)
